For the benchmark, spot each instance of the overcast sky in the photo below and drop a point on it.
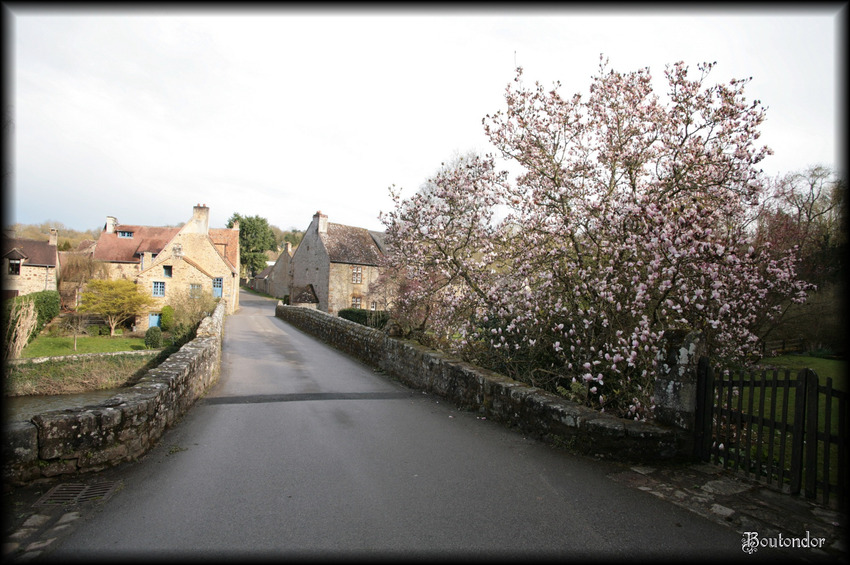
(143, 114)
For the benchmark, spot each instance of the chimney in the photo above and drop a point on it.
(321, 222)
(111, 222)
(201, 218)
(288, 249)
(54, 237)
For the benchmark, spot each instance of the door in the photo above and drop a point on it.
(154, 320)
(217, 284)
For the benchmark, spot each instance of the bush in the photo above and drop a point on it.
(372, 318)
(166, 321)
(153, 337)
(183, 334)
(97, 329)
(47, 306)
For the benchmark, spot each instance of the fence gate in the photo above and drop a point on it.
(789, 431)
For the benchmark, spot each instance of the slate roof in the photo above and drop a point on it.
(264, 273)
(357, 246)
(36, 253)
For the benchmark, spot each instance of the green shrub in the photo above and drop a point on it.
(371, 318)
(153, 337)
(47, 306)
(182, 333)
(97, 329)
(166, 320)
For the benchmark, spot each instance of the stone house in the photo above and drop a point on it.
(29, 265)
(173, 263)
(260, 281)
(336, 267)
(277, 283)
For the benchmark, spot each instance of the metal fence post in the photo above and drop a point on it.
(704, 409)
(798, 434)
(811, 433)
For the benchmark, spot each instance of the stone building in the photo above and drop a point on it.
(277, 282)
(29, 265)
(336, 267)
(170, 263)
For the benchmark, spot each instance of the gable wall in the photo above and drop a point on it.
(278, 281)
(310, 265)
(198, 248)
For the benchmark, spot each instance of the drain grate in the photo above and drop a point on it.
(75, 493)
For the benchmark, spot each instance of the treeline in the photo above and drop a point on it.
(69, 239)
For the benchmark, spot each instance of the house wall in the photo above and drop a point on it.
(310, 265)
(31, 279)
(342, 289)
(201, 263)
(117, 271)
(278, 281)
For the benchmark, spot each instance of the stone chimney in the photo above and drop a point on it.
(321, 222)
(288, 249)
(111, 222)
(54, 237)
(201, 218)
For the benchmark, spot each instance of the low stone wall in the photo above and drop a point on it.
(77, 356)
(121, 428)
(534, 411)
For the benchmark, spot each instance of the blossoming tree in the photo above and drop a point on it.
(632, 217)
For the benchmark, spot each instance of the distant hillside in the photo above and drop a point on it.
(69, 239)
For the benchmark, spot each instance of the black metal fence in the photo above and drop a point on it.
(789, 431)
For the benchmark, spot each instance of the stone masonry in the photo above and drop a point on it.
(121, 428)
(535, 411)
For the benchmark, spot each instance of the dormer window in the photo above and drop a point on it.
(125, 234)
(14, 266)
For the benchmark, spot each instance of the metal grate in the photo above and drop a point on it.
(75, 493)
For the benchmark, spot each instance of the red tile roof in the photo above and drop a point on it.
(116, 249)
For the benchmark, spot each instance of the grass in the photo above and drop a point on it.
(71, 376)
(835, 368)
(770, 448)
(45, 346)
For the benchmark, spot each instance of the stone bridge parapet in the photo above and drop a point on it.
(536, 412)
(120, 428)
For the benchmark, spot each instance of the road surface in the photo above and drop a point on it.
(301, 451)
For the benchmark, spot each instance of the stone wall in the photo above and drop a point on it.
(534, 411)
(121, 428)
(31, 279)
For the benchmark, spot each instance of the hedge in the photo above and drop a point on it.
(371, 318)
(46, 307)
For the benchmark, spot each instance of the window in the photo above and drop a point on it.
(125, 234)
(355, 302)
(356, 275)
(14, 266)
(158, 288)
(166, 271)
(194, 290)
(374, 306)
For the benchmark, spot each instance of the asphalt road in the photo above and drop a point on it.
(301, 451)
